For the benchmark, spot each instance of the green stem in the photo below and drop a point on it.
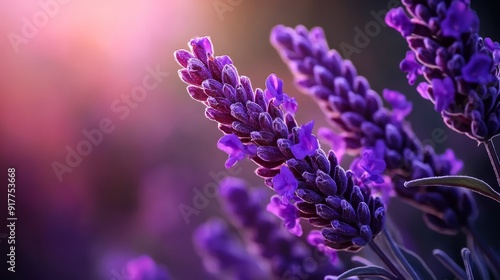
(492, 154)
(386, 260)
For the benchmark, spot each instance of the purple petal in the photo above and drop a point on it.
(397, 19)
(478, 69)
(316, 239)
(233, 146)
(286, 212)
(422, 90)
(444, 93)
(274, 88)
(411, 66)
(459, 19)
(308, 144)
(285, 184)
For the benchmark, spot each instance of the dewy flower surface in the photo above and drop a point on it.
(326, 195)
(356, 111)
(460, 67)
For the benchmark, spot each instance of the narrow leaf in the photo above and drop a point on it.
(361, 260)
(399, 256)
(468, 268)
(478, 258)
(445, 260)
(467, 182)
(367, 271)
(417, 263)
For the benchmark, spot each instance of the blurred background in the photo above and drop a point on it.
(69, 67)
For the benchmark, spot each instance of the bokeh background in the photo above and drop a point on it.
(122, 200)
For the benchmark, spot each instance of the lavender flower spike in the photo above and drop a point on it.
(145, 268)
(223, 253)
(461, 69)
(326, 195)
(285, 253)
(356, 111)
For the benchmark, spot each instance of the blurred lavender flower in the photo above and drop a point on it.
(223, 253)
(325, 194)
(357, 112)
(145, 268)
(460, 67)
(286, 254)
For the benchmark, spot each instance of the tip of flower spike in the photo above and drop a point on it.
(201, 47)
(280, 36)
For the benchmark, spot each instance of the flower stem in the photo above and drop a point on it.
(492, 154)
(491, 257)
(386, 260)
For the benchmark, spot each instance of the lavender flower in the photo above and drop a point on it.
(460, 67)
(357, 112)
(325, 194)
(223, 253)
(286, 254)
(145, 268)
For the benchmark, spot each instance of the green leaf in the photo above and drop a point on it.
(417, 264)
(371, 270)
(466, 182)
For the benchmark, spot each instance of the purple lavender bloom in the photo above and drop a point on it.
(307, 142)
(232, 145)
(285, 184)
(327, 196)
(275, 90)
(371, 165)
(400, 106)
(316, 239)
(356, 111)
(288, 213)
(459, 19)
(397, 19)
(145, 268)
(224, 255)
(411, 66)
(444, 92)
(461, 69)
(284, 252)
